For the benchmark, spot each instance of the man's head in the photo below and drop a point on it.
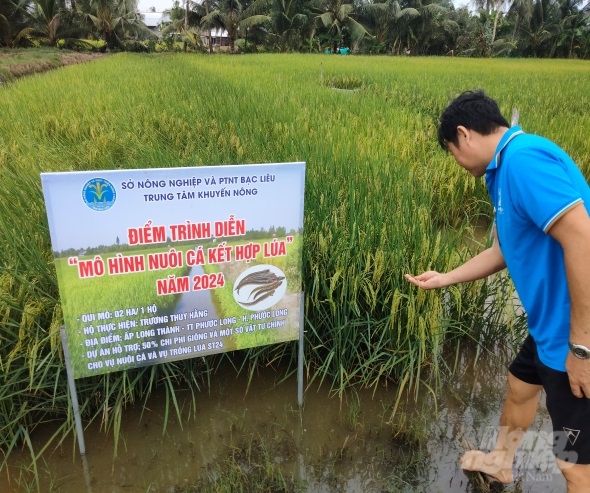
(473, 110)
(470, 129)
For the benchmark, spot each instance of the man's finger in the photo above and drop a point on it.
(578, 392)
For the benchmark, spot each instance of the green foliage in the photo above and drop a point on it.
(538, 28)
(349, 83)
(235, 16)
(48, 21)
(112, 20)
(137, 47)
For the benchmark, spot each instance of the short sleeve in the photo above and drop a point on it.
(541, 187)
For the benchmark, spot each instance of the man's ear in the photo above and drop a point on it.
(463, 134)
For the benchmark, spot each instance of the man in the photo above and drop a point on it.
(542, 235)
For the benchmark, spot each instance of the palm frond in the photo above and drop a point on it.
(357, 30)
(254, 20)
(327, 19)
(344, 11)
(407, 13)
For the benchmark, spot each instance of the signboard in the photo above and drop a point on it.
(159, 265)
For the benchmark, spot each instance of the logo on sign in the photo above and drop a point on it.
(99, 194)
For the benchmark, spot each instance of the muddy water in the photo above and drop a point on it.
(334, 445)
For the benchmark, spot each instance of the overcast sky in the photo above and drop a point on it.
(161, 5)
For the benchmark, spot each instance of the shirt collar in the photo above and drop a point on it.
(506, 138)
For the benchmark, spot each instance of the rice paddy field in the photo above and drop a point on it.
(381, 200)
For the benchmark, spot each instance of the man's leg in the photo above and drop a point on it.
(577, 476)
(518, 413)
(571, 430)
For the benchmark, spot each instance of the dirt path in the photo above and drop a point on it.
(9, 71)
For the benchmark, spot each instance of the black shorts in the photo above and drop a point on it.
(569, 414)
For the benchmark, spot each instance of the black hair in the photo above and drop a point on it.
(475, 111)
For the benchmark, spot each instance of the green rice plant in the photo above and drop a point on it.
(349, 83)
(26, 478)
(381, 200)
(351, 410)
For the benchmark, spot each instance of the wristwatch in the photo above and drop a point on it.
(579, 351)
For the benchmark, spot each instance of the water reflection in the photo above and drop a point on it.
(86, 473)
(334, 445)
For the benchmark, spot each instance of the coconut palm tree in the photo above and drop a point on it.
(574, 24)
(399, 25)
(113, 20)
(288, 19)
(498, 8)
(233, 16)
(388, 22)
(13, 22)
(339, 19)
(48, 21)
(184, 24)
(436, 30)
(174, 29)
(520, 14)
(494, 7)
(5, 29)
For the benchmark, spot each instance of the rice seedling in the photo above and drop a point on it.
(351, 410)
(381, 200)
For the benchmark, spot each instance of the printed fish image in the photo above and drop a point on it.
(265, 288)
(267, 294)
(263, 277)
(259, 287)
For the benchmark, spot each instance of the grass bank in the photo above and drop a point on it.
(16, 63)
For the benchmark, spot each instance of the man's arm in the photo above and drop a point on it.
(482, 265)
(572, 231)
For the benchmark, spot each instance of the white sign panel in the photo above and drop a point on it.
(159, 265)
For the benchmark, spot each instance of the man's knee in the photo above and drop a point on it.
(520, 392)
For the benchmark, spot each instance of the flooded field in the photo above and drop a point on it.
(352, 444)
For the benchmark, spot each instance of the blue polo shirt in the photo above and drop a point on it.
(532, 182)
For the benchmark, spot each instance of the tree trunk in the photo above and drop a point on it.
(495, 26)
(515, 27)
(186, 17)
(185, 44)
(571, 53)
(209, 40)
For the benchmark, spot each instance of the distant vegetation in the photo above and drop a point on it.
(487, 28)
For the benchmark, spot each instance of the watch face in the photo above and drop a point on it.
(581, 353)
